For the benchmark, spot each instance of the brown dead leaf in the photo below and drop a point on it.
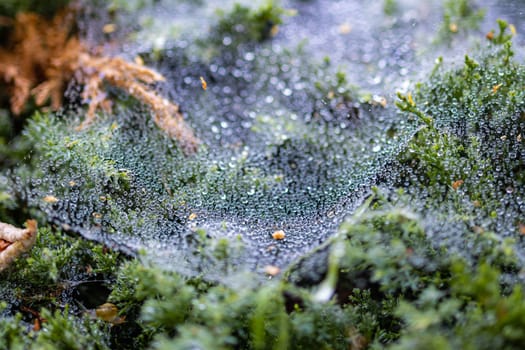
(16, 241)
(4, 244)
(43, 57)
(457, 184)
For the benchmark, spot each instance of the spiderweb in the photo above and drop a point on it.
(288, 145)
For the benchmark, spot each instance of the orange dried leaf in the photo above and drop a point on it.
(42, 57)
(457, 184)
(495, 88)
(36, 325)
(19, 241)
(4, 244)
(204, 83)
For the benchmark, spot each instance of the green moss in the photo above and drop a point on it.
(182, 312)
(53, 285)
(474, 135)
(61, 330)
(10, 8)
(472, 138)
(245, 24)
(475, 316)
(459, 16)
(390, 7)
(391, 277)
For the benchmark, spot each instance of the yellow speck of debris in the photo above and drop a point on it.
(279, 234)
(271, 270)
(495, 88)
(457, 184)
(192, 216)
(138, 60)
(410, 100)
(345, 28)
(109, 312)
(274, 31)
(513, 29)
(109, 28)
(453, 27)
(50, 199)
(204, 83)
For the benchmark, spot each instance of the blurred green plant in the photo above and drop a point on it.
(459, 16)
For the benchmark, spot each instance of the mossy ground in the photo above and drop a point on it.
(431, 260)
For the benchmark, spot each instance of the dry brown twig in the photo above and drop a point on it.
(43, 58)
(15, 241)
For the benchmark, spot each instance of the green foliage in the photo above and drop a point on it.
(55, 268)
(40, 285)
(474, 316)
(476, 134)
(459, 16)
(61, 330)
(390, 7)
(465, 169)
(13, 149)
(185, 313)
(244, 24)
(392, 245)
(127, 5)
(502, 37)
(10, 8)
(406, 104)
(57, 257)
(65, 331)
(393, 278)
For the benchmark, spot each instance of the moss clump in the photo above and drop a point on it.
(10, 8)
(475, 315)
(181, 312)
(430, 261)
(459, 16)
(61, 330)
(243, 24)
(469, 157)
(49, 291)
